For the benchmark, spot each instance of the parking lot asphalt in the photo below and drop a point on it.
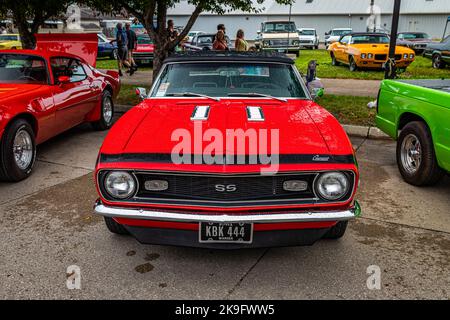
(47, 224)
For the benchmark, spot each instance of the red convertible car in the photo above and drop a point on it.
(228, 150)
(46, 91)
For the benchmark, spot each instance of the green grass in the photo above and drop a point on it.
(127, 95)
(108, 64)
(349, 109)
(420, 69)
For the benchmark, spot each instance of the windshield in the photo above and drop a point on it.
(340, 32)
(415, 36)
(144, 40)
(221, 79)
(307, 32)
(273, 27)
(22, 69)
(8, 38)
(369, 39)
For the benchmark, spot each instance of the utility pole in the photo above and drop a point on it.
(390, 69)
(289, 26)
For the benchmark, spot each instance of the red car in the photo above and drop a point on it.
(143, 54)
(228, 150)
(46, 91)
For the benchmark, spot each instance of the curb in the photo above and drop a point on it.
(364, 132)
(352, 130)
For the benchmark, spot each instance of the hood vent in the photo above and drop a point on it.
(255, 114)
(200, 113)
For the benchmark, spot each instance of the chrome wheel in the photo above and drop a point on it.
(107, 110)
(437, 62)
(411, 154)
(23, 149)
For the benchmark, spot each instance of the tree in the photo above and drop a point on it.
(147, 10)
(35, 11)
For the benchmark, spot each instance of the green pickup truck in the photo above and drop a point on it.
(416, 113)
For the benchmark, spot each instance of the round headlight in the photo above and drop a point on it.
(363, 55)
(370, 56)
(411, 56)
(332, 185)
(120, 184)
(405, 56)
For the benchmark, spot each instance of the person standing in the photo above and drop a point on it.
(220, 43)
(240, 44)
(132, 45)
(122, 49)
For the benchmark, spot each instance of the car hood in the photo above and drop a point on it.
(379, 48)
(145, 48)
(155, 126)
(307, 37)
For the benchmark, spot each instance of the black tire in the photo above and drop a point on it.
(334, 62)
(437, 62)
(337, 231)
(352, 64)
(115, 227)
(316, 47)
(428, 171)
(114, 54)
(297, 54)
(9, 169)
(105, 122)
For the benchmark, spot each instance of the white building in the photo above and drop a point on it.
(429, 16)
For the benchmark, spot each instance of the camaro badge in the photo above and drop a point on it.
(320, 158)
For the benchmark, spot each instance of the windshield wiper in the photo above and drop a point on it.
(254, 94)
(191, 94)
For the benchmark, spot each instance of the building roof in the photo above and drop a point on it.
(331, 7)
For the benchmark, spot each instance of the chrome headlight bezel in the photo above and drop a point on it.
(124, 177)
(337, 179)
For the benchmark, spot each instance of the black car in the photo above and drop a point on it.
(204, 42)
(439, 53)
(416, 41)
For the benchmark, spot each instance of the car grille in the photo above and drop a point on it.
(143, 55)
(208, 189)
(279, 42)
(381, 57)
(306, 41)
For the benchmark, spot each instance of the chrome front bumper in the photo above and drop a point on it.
(313, 216)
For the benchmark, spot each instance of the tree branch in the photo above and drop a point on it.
(188, 26)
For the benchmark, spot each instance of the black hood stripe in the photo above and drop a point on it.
(228, 160)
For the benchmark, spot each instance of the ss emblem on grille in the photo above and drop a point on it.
(225, 187)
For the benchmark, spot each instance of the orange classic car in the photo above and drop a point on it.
(367, 50)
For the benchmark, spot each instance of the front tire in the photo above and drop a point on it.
(106, 113)
(416, 158)
(337, 231)
(17, 151)
(115, 227)
(352, 64)
(114, 54)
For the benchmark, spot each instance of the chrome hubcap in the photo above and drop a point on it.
(411, 154)
(107, 110)
(23, 149)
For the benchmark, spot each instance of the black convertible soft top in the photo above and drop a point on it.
(232, 56)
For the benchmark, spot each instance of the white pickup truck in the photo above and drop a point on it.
(281, 36)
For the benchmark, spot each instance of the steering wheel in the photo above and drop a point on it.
(28, 77)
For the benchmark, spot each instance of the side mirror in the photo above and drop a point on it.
(63, 79)
(317, 93)
(258, 32)
(141, 93)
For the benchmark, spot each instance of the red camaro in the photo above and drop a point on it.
(228, 150)
(46, 91)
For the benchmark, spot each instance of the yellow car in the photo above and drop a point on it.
(367, 50)
(10, 41)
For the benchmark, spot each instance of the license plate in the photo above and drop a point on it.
(226, 232)
(281, 50)
(145, 61)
